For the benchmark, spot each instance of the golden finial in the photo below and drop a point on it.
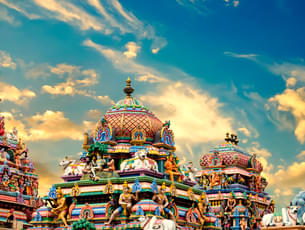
(128, 89)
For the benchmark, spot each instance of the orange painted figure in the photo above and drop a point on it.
(171, 167)
(214, 180)
(110, 164)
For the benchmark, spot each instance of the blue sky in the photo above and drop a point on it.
(210, 66)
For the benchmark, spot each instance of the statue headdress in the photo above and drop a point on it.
(163, 186)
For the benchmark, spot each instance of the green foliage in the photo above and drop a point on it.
(97, 147)
(83, 224)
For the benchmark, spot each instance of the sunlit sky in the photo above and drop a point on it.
(209, 66)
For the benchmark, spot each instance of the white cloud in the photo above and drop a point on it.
(50, 125)
(15, 95)
(6, 60)
(288, 70)
(110, 17)
(293, 102)
(290, 82)
(19, 9)
(94, 114)
(54, 126)
(127, 65)
(61, 69)
(5, 16)
(245, 131)
(132, 50)
(245, 56)
(76, 83)
(68, 12)
(154, 51)
(205, 122)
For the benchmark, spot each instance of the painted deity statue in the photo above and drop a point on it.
(61, 208)
(110, 164)
(171, 167)
(202, 209)
(162, 202)
(125, 202)
(2, 126)
(214, 180)
(230, 203)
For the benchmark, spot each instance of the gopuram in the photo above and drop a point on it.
(18, 182)
(234, 186)
(129, 177)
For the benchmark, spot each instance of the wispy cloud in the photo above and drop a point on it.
(6, 60)
(288, 70)
(127, 65)
(245, 56)
(110, 17)
(301, 155)
(5, 16)
(20, 7)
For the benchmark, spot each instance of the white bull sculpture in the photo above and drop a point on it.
(72, 167)
(140, 161)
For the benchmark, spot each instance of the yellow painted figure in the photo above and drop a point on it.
(202, 209)
(61, 208)
(125, 202)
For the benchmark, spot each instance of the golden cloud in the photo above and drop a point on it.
(195, 116)
(293, 101)
(51, 125)
(15, 95)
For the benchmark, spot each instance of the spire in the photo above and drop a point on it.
(128, 89)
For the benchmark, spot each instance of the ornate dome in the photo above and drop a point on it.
(230, 154)
(129, 114)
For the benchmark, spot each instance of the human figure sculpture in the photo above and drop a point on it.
(171, 168)
(258, 183)
(202, 209)
(89, 168)
(230, 203)
(214, 180)
(61, 208)
(125, 202)
(162, 202)
(243, 224)
(110, 164)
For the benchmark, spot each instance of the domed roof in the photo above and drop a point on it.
(128, 114)
(229, 154)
